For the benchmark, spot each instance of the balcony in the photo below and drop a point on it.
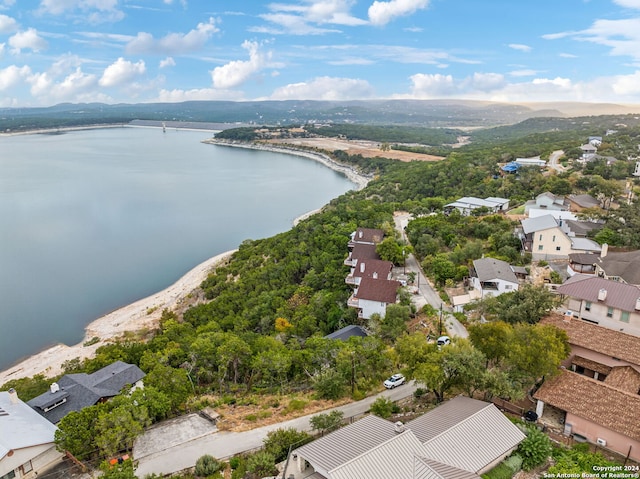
(353, 302)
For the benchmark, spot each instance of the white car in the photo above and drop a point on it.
(443, 341)
(394, 381)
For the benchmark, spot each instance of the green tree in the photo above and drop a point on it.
(528, 304)
(118, 428)
(535, 449)
(492, 339)
(28, 388)
(278, 442)
(77, 432)
(443, 269)
(327, 422)
(172, 382)
(389, 250)
(121, 470)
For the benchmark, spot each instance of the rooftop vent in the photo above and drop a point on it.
(602, 294)
(362, 267)
(398, 427)
(54, 388)
(637, 304)
(13, 396)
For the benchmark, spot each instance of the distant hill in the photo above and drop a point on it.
(462, 114)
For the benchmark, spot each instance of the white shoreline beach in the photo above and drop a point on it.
(145, 313)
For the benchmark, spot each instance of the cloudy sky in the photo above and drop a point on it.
(54, 51)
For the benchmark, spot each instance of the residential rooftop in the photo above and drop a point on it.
(383, 290)
(491, 268)
(589, 288)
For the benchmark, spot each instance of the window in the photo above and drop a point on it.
(587, 306)
(609, 312)
(553, 239)
(540, 237)
(26, 467)
(557, 248)
(624, 316)
(9, 475)
(540, 247)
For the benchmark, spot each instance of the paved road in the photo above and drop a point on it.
(426, 293)
(224, 444)
(553, 160)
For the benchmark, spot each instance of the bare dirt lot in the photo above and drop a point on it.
(368, 149)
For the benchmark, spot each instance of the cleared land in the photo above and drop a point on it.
(368, 149)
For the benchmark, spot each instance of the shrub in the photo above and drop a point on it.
(207, 465)
(501, 471)
(514, 462)
(234, 462)
(419, 392)
(535, 449)
(383, 407)
(262, 464)
(327, 422)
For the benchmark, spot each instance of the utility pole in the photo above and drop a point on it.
(440, 322)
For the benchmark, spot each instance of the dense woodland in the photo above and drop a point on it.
(261, 327)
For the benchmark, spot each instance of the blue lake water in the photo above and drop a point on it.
(94, 220)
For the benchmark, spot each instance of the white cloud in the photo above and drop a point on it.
(567, 55)
(177, 95)
(237, 72)
(75, 87)
(523, 73)
(381, 13)
(6, 4)
(91, 11)
(122, 71)
(167, 62)
(628, 3)
(626, 85)
(351, 61)
(13, 75)
(28, 39)
(302, 19)
(173, 43)
(325, 88)
(7, 24)
(520, 47)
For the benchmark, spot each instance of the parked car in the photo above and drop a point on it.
(394, 381)
(443, 341)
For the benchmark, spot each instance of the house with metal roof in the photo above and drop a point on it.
(468, 204)
(547, 201)
(27, 445)
(74, 392)
(373, 296)
(460, 439)
(596, 392)
(604, 302)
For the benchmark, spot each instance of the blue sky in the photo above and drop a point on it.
(132, 51)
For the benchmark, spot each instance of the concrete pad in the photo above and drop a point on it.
(172, 433)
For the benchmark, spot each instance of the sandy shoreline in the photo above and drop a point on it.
(360, 180)
(145, 313)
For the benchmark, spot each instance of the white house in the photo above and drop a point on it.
(373, 295)
(468, 204)
(534, 161)
(27, 445)
(547, 201)
(492, 277)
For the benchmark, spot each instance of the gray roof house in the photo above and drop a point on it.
(460, 439)
(27, 445)
(619, 266)
(492, 277)
(347, 332)
(74, 392)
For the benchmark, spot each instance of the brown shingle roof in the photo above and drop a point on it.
(368, 235)
(364, 251)
(625, 378)
(590, 364)
(594, 401)
(368, 268)
(584, 201)
(596, 338)
(619, 295)
(383, 290)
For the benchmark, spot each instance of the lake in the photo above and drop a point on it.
(93, 220)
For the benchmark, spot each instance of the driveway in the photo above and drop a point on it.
(553, 160)
(224, 444)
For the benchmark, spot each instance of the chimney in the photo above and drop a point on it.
(567, 316)
(362, 267)
(602, 294)
(375, 275)
(637, 304)
(359, 234)
(54, 388)
(398, 427)
(13, 396)
(605, 250)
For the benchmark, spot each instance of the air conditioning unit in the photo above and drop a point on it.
(601, 442)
